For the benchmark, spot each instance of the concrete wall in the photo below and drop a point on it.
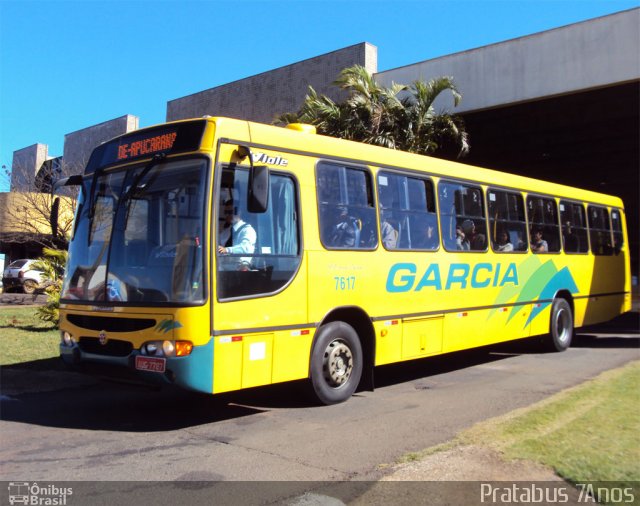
(595, 53)
(265, 96)
(79, 145)
(26, 163)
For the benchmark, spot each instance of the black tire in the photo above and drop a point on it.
(560, 326)
(29, 286)
(336, 363)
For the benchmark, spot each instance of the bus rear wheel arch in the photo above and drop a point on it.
(561, 325)
(336, 363)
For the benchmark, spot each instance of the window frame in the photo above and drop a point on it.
(468, 185)
(371, 196)
(585, 227)
(617, 248)
(221, 167)
(593, 229)
(531, 224)
(524, 211)
(427, 180)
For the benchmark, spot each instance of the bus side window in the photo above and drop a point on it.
(507, 224)
(618, 237)
(543, 224)
(464, 227)
(346, 213)
(275, 256)
(599, 231)
(407, 212)
(574, 227)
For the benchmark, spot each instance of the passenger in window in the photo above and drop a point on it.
(472, 240)
(461, 242)
(539, 245)
(503, 244)
(344, 233)
(429, 239)
(241, 237)
(571, 242)
(389, 233)
(602, 244)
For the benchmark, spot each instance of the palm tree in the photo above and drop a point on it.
(399, 116)
(52, 266)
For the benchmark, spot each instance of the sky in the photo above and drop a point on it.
(67, 65)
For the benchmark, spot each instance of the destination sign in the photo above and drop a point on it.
(146, 146)
(165, 139)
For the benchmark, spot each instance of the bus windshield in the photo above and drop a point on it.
(139, 236)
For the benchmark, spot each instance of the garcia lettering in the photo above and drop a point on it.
(405, 277)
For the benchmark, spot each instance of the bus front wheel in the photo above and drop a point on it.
(561, 326)
(336, 363)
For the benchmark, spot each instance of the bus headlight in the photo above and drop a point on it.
(67, 339)
(150, 348)
(167, 348)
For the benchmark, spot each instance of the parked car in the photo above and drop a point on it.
(20, 275)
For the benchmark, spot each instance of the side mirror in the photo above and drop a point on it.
(75, 180)
(53, 221)
(66, 181)
(258, 189)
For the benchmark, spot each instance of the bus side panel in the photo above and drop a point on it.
(291, 352)
(388, 342)
(541, 323)
(579, 311)
(607, 287)
(252, 360)
(422, 336)
(603, 308)
(257, 360)
(227, 364)
(470, 329)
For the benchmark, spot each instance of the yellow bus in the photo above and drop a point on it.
(219, 254)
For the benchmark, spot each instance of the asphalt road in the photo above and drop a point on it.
(61, 426)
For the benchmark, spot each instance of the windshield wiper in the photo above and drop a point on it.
(153, 162)
(134, 185)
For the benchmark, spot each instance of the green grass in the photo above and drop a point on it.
(25, 338)
(587, 433)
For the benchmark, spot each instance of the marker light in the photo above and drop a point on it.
(183, 348)
(302, 127)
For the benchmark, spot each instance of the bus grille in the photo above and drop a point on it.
(112, 348)
(110, 324)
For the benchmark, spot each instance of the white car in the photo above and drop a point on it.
(19, 274)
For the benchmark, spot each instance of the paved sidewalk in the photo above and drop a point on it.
(22, 299)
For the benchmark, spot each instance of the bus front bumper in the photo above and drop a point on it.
(193, 372)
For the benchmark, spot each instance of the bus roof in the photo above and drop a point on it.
(376, 156)
(322, 146)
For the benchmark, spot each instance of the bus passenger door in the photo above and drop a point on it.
(260, 289)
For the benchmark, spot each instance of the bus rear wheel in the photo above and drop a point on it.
(561, 326)
(336, 363)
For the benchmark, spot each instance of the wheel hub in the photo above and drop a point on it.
(338, 363)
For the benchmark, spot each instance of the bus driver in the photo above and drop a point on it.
(238, 236)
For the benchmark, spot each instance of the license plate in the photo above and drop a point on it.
(150, 364)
